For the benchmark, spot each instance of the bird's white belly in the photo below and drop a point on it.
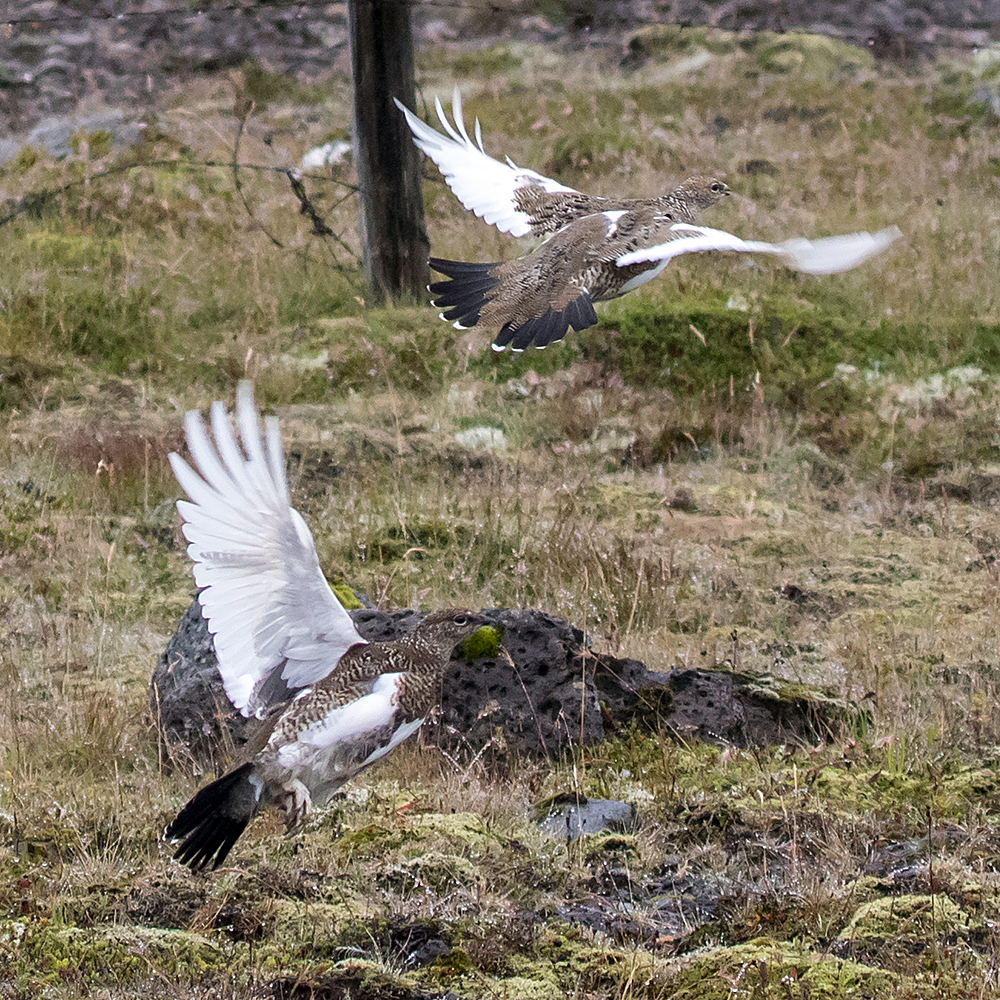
(345, 741)
(323, 769)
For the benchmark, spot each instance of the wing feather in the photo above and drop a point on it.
(483, 185)
(359, 728)
(205, 457)
(276, 454)
(263, 594)
(233, 460)
(828, 255)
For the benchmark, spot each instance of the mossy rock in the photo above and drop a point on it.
(981, 783)
(607, 846)
(353, 979)
(850, 791)
(898, 786)
(929, 918)
(482, 644)
(461, 828)
(760, 967)
(792, 692)
(45, 953)
(772, 711)
(372, 841)
(345, 595)
(667, 41)
(430, 872)
(294, 920)
(866, 888)
(521, 988)
(444, 832)
(810, 55)
(818, 709)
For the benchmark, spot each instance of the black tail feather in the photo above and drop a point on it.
(548, 328)
(458, 268)
(464, 295)
(214, 819)
(468, 289)
(580, 313)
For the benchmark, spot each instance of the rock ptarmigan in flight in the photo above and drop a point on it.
(329, 703)
(596, 248)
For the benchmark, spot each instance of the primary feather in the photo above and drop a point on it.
(827, 255)
(485, 186)
(276, 624)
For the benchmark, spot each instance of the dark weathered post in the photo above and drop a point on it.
(393, 237)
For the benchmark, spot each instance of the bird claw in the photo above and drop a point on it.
(297, 806)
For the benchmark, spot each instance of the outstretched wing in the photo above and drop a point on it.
(494, 191)
(276, 623)
(828, 255)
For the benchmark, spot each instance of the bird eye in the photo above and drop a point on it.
(461, 620)
(716, 187)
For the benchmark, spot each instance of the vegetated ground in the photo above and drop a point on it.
(737, 465)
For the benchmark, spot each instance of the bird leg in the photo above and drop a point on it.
(297, 804)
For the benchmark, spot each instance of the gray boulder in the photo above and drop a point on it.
(568, 816)
(552, 693)
(193, 713)
(535, 698)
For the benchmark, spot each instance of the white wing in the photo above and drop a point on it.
(828, 255)
(276, 623)
(483, 185)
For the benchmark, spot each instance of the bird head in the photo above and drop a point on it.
(702, 192)
(442, 631)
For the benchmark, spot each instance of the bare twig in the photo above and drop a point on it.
(242, 108)
(306, 207)
(34, 201)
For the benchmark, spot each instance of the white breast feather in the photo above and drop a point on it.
(351, 722)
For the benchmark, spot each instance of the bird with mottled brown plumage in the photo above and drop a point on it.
(596, 248)
(328, 703)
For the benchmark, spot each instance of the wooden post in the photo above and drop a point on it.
(393, 237)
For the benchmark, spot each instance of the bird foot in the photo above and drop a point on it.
(297, 805)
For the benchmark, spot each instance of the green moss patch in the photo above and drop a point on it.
(345, 594)
(769, 969)
(911, 917)
(44, 955)
(483, 643)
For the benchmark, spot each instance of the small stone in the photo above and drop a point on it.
(571, 816)
(482, 439)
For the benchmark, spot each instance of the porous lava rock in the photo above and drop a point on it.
(551, 693)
